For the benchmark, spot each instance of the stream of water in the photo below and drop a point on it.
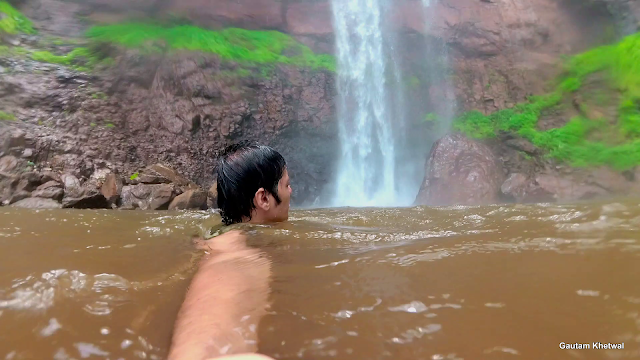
(496, 282)
(366, 174)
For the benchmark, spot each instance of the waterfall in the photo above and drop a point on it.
(366, 174)
(381, 160)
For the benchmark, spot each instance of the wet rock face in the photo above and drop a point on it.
(460, 171)
(179, 110)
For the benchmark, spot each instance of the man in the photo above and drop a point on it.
(229, 293)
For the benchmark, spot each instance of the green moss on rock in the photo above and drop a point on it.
(12, 21)
(580, 142)
(240, 45)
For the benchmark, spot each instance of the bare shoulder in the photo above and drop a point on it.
(243, 357)
(234, 240)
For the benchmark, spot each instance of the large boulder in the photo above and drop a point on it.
(190, 199)
(577, 185)
(161, 174)
(37, 203)
(112, 188)
(49, 190)
(460, 171)
(8, 163)
(81, 197)
(147, 197)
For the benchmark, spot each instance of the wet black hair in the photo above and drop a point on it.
(243, 169)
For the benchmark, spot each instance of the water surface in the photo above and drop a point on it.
(498, 282)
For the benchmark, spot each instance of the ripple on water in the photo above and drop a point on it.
(39, 293)
(50, 329)
(412, 307)
(412, 334)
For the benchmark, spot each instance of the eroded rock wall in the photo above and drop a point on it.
(178, 109)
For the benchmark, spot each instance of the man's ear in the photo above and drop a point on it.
(261, 200)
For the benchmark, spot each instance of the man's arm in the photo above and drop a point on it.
(224, 303)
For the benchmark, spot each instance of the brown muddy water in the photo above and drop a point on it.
(498, 282)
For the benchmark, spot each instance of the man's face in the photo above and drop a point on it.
(280, 212)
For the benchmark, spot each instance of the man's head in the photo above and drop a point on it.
(253, 184)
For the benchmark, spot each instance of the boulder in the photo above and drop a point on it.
(8, 163)
(37, 203)
(524, 189)
(567, 188)
(29, 181)
(81, 197)
(161, 174)
(112, 188)
(49, 190)
(146, 196)
(85, 199)
(50, 176)
(17, 196)
(72, 186)
(15, 140)
(460, 171)
(190, 199)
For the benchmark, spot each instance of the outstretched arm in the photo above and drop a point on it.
(226, 299)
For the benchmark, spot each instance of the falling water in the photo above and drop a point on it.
(366, 169)
(379, 165)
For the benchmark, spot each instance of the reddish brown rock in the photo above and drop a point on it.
(8, 163)
(568, 189)
(610, 180)
(161, 174)
(524, 189)
(309, 18)
(190, 199)
(250, 14)
(112, 188)
(460, 171)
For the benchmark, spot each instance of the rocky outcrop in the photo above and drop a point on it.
(555, 186)
(460, 171)
(179, 109)
(161, 188)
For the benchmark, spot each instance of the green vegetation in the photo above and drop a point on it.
(134, 176)
(12, 21)
(430, 117)
(249, 47)
(81, 57)
(109, 125)
(584, 140)
(99, 96)
(7, 117)
(240, 45)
